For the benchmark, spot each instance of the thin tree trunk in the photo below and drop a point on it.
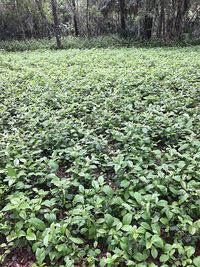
(75, 19)
(147, 21)
(19, 19)
(197, 9)
(161, 19)
(87, 18)
(56, 23)
(164, 19)
(168, 20)
(43, 17)
(122, 17)
(176, 18)
(182, 8)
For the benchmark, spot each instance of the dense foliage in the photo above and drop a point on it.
(100, 157)
(171, 19)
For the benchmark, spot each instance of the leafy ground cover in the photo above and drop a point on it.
(100, 157)
(111, 41)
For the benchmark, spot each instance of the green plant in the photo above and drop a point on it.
(100, 156)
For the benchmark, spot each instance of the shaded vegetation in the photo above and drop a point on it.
(141, 19)
(112, 41)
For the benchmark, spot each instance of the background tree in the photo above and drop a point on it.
(56, 23)
(123, 17)
(44, 19)
(146, 19)
(76, 30)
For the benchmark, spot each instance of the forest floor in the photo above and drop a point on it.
(100, 157)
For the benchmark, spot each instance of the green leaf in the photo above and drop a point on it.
(78, 199)
(95, 184)
(125, 183)
(37, 223)
(101, 180)
(127, 219)
(154, 252)
(101, 231)
(127, 228)
(145, 226)
(196, 261)
(154, 265)
(30, 235)
(40, 255)
(11, 172)
(139, 256)
(183, 198)
(192, 229)
(108, 190)
(117, 167)
(164, 258)
(76, 240)
(138, 197)
(109, 219)
(130, 263)
(182, 147)
(12, 236)
(53, 165)
(148, 245)
(81, 189)
(157, 241)
(46, 240)
(8, 207)
(190, 251)
(16, 162)
(102, 262)
(16, 201)
(50, 217)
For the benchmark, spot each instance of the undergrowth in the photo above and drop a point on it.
(100, 157)
(112, 41)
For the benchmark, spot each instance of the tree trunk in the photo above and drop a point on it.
(169, 16)
(176, 18)
(147, 20)
(43, 17)
(182, 8)
(56, 23)
(19, 19)
(87, 18)
(161, 19)
(122, 17)
(75, 19)
(147, 27)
